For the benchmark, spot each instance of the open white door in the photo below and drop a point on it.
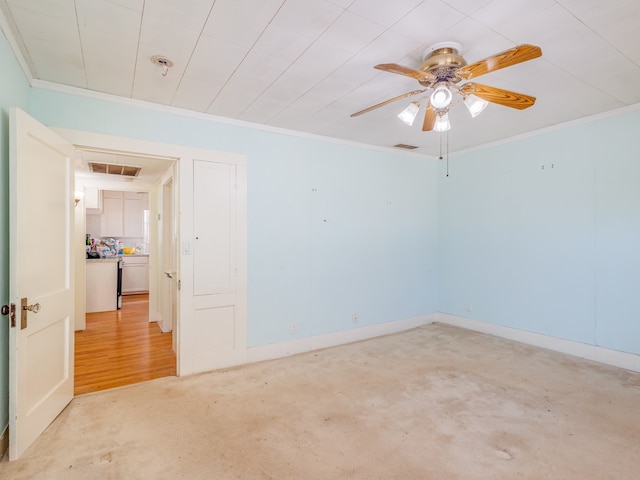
(41, 279)
(168, 243)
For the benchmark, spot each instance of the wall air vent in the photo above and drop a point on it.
(405, 146)
(113, 169)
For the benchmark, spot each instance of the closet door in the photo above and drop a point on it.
(219, 338)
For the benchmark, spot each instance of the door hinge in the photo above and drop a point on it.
(179, 284)
(11, 311)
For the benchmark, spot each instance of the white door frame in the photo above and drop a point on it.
(186, 334)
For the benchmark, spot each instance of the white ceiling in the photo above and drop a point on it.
(306, 65)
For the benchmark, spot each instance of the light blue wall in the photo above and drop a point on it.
(14, 91)
(543, 234)
(617, 236)
(333, 230)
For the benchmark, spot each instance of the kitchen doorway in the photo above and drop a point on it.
(124, 215)
(210, 186)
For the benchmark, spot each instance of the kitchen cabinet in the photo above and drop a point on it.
(92, 200)
(111, 220)
(101, 284)
(135, 274)
(133, 214)
(123, 214)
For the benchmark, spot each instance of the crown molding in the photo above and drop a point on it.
(90, 94)
(5, 26)
(553, 128)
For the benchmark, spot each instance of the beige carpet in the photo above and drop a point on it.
(437, 402)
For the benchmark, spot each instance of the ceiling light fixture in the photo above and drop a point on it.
(408, 115)
(443, 96)
(163, 62)
(448, 79)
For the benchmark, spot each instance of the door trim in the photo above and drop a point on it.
(186, 333)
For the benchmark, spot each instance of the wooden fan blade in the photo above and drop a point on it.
(387, 102)
(498, 95)
(408, 72)
(513, 56)
(429, 118)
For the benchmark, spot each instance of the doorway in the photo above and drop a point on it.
(211, 319)
(202, 313)
(127, 344)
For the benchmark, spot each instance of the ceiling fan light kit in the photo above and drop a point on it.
(442, 122)
(408, 115)
(442, 69)
(475, 105)
(441, 96)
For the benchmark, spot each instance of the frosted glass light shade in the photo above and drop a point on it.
(442, 123)
(408, 115)
(441, 96)
(475, 105)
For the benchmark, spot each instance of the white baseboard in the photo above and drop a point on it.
(307, 344)
(607, 356)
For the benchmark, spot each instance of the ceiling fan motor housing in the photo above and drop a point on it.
(443, 60)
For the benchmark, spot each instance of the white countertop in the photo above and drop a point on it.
(102, 260)
(115, 258)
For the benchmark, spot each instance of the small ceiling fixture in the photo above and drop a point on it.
(163, 62)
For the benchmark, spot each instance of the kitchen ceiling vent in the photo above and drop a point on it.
(113, 169)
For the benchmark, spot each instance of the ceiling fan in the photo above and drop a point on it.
(442, 70)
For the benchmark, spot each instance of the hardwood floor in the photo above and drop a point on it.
(122, 347)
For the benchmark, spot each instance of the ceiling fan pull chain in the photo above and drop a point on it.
(447, 153)
(441, 157)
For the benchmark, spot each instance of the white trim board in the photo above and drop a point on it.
(551, 128)
(607, 356)
(91, 94)
(317, 342)
(131, 102)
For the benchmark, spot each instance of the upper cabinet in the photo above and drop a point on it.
(111, 220)
(123, 214)
(133, 221)
(93, 200)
